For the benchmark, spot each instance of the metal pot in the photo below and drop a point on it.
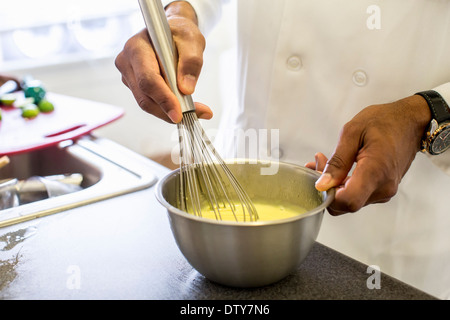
(250, 254)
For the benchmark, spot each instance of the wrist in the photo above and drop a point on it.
(416, 109)
(181, 9)
(421, 111)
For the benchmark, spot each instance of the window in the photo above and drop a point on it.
(36, 33)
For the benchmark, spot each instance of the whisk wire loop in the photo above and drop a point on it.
(204, 176)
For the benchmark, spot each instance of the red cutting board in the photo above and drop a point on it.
(71, 119)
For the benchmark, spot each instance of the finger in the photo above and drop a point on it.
(341, 162)
(189, 67)
(140, 73)
(149, 105)
(321, 161)
(144, 101)
(157, 90)
(364, 187)
(203, 111)
(311, 165)
(190, 45)
(147, 78)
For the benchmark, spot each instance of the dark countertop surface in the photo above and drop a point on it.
(123, 248)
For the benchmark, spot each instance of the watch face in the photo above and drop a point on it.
(441, 141)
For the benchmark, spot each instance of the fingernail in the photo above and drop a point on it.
(189, 82)
(205, 115)
(323, 183)
(173, 115)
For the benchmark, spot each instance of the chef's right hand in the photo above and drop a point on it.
(140, 71)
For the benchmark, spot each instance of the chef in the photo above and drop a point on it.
(355, 89)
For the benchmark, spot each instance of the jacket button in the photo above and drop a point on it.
(360, 78)
(294, 63)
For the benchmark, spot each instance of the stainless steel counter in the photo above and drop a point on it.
(122, 248)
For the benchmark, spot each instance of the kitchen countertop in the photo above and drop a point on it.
(123, 248)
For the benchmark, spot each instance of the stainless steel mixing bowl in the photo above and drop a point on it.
(250, 254)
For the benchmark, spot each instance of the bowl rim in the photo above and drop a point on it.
(330, 194)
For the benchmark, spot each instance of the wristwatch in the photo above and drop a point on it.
(436, 139)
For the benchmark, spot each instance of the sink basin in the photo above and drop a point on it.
(108, 170)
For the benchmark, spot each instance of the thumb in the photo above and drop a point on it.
(340, 163)
(189, 66)
(188, 83)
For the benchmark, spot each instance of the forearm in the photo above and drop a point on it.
(416, 108)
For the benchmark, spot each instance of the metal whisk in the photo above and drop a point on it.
(206, 183)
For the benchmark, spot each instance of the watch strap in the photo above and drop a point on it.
(438, 106)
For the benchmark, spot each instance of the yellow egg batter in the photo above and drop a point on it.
(266, 211)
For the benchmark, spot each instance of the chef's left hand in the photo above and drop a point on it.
(383, 141)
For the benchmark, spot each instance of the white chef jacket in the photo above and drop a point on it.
(305, 68)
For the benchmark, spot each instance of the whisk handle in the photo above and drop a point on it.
(162, 41)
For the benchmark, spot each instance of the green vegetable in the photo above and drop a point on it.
(30, 110)
(37, 92)
(8, 99)
(45, 106)
(0, 115)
